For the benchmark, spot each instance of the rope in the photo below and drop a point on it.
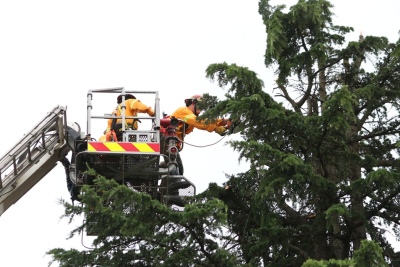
(204, 145)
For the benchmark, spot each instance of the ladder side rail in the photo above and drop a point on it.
(26, 163)
(29, 154)
(36, 163)
(13, 161)
(25, 180)
(32, 135)
(34, 139)
(35, 129)
(37, 139)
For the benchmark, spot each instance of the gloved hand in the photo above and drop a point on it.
(151, 112)
(222, 122)
(111, 136)
(221, 130)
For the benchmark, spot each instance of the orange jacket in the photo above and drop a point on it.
(190, 119)
(132, 108)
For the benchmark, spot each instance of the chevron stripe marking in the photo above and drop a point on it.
(97, 146)
(123, 147)
(130, 147)
(114, 147)
(143, 147)
(155, 146)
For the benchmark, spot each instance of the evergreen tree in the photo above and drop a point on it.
(324, 172)
(324, 168)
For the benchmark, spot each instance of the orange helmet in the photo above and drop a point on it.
(127, 96)
(193, 99)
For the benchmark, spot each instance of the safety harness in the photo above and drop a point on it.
(133, 125)
(116, 128)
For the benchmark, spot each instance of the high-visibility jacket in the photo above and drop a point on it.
(190, 122)
(132, 108)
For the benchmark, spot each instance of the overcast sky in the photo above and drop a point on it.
(53, 52)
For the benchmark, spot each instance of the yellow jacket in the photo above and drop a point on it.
(132, 108)
(190, 119)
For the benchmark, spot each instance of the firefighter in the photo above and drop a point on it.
(188, 115)
(188, 121)
(133, 106)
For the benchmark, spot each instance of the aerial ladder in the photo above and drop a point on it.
(35, 155)
(133, 161)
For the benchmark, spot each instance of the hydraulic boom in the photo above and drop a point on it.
(35, 155)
